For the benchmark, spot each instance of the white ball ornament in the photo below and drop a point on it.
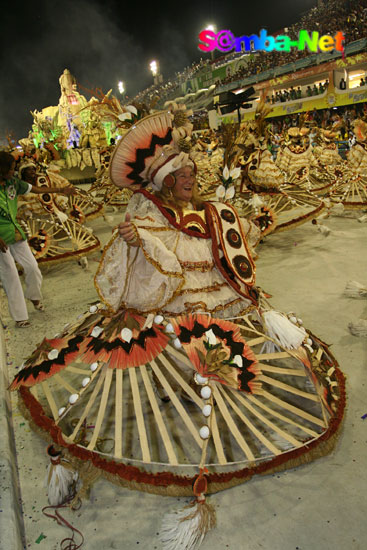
(126, 334)
(158, 319)
(96, 331)
(93, 309)
(53, 354)
(177, 344)
(93, 367)
(300, 322)
(85, 381)
(309, 341)
(73, 398)
(206, 410)
(62, 410)
(204, 432)
(205, 392)
(293, 320)
(169, 328)
(200, 379)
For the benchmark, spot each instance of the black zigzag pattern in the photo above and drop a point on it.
(141, 154)
(46, 366)
(98, 344)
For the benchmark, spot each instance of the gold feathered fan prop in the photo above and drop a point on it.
(108, 108)
(262, 111)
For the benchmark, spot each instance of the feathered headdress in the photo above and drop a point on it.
(153, 148)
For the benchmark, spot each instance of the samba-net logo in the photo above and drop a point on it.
(225, 42)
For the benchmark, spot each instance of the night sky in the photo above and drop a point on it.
(102, 42)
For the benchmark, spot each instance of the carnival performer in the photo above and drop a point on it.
(13, 243)
(177, 258)
(296, 152)
(357, 156)
(179, 306)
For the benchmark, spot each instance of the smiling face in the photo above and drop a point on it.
(184, 186)
(29, 175)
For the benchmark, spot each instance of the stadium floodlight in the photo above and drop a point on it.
(154, 67)
(212, 28)
(121, 87)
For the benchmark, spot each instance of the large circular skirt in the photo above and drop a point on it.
(122, 399)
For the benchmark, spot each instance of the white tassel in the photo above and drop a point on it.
(186, 528)
(255, 201)
(324, 229)
(363, 219)
(269, 347)
(60, 478)
(282, 330)
(358, 328)
(83, 261)
(354, 289)
(61, 215)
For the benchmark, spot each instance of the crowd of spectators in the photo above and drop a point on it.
(349, 16)
(297, 93)
(332, 16)
(166, 89)
(343, 84)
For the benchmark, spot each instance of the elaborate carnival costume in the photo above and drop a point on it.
(260, 173)
(351, 181)
(344, 182)
(52, 224)
(326, 150)
(243, 389)
(277, 202)
(357, 156)
(296, 153)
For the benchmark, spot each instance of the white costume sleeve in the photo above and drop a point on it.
(146, 277)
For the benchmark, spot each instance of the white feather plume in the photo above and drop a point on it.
(324, 229)
(353, 289)
(359, 327)
(186, 528)
(61, 215)
(282, 330)
(59, 481)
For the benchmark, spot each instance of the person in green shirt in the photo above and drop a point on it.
(13, 243)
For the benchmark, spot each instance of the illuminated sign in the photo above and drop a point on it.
(225, 41)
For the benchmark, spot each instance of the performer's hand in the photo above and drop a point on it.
(3, 246)
(68, 191)
(127, 231)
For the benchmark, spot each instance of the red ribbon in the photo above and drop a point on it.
(67, 543)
